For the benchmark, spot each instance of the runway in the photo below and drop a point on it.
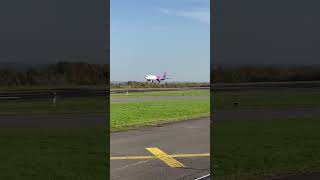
(83, 92)
(171, 151)
(50, 94)
(156, 89)
(23, 95)
(256, 86)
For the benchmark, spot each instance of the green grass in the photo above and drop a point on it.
(261, 148)
(69, 105)
(53, 153)
(267, 99)
(126, 115)
(165, 93)
(271, 147)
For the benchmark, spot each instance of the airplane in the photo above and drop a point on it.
(158, 78)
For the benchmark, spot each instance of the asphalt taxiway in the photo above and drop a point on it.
(172, 151)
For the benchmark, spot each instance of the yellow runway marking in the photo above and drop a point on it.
(159, 154)
(153, 157)
(132, 157)
(190, 155)
(170, 161)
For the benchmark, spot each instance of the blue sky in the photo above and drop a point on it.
(154, 36)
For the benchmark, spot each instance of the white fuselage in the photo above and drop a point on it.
(151, 77)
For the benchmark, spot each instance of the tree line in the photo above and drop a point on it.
(264, 74)
(79, 73)
(61, 73)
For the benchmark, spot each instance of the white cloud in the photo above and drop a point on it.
(202, 14)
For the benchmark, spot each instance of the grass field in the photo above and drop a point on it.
(53, 153)
(267, 99)
(267, 147)
(259, 148)
(126, 115)
(73, 152)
